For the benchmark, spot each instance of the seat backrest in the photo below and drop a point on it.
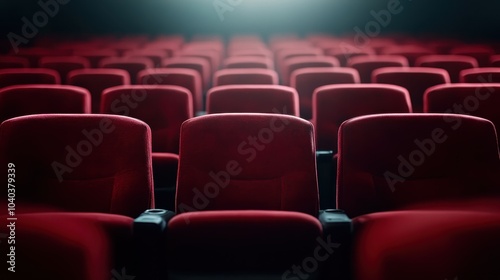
(391, 161)
(263, 162)
(415, 79)
(187, 78)
(248, 62)
(253, 99)
(411, 52)
(64, 64)
(294, 63)
(133, 65)
(366, 64)
(23, 76)
(43, 99)
(480, 75)
(80, 163)
(480, 100)
(481, 53)
(163, 108)
(7, 61)
(334, 104)
(201, 65)
(249, 76)
(451, 63)
(97, 80)
(307, 80)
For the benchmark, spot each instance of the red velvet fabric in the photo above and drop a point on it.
(451, 63)
(23, 76)
(101, 163)
(294, 63)
(245, 77)
(367, 64)
(334, 104)
(415, 79)
(247, 161)
(248, 62)
(133, 65)
(42, 99)
(97, 80)
(306, 80)
(7, 61)
(253, 99)
(201, 65)
(64, 64)
(480, 75)
(82, 246)
(419, 245)
(394, 161)
(187, 78)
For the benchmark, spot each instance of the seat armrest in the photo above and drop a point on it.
(150, 240)
(337, 229)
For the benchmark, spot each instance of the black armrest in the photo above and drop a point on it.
(150, 240)
(337, 231)
(326, 165)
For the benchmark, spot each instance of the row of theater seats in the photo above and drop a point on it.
(164, 108)
(304, 64)
(419, 192)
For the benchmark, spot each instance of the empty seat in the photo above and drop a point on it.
(91, 246)
(187, 78)
(245, 77)
(451, 63)
(250, 52)
(212, 56)
(163, 108)
(201, 65)
(411, 52)
(248, 62)
(417, 161)
(442, 244)
(253, 99)
(13, 62)
(480, 75)
(34, 54)
(23, 76)
(334, 104)
(306, 80)
(344, 54)
(481, 53)
(247, 210)
(481, 100)
(42, 99)
(494, 61)
(95, 56)
(64, 64)
(415, 79)
(367, 64)
(294, 63)
(133, 65)
(155, 55)
(82, 163)
(97, 80)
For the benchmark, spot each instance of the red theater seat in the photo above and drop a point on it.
(97, 80)
(248, 62)
(419, 245)
(417, 161)
(254, 76)
(64, 64)
(494, 61)
(246, 210)
(480, 75)
(133, 65)
(294, 63)
(163, 108)
(367, 64)
(212, 56)
(155, 55)
(253, 99)
(481, 53)
(415, 79)
(201, 65)
(306, 80)
(411, 52)
(481, 100)
(345, 54)
(91, 246)
(187, 78)
(334, 104)
(95, 55)
(451, 63)
(13, 62)
(78, 163)
(42, 99)
(23, 76)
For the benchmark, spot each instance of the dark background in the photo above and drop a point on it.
(470, 20)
